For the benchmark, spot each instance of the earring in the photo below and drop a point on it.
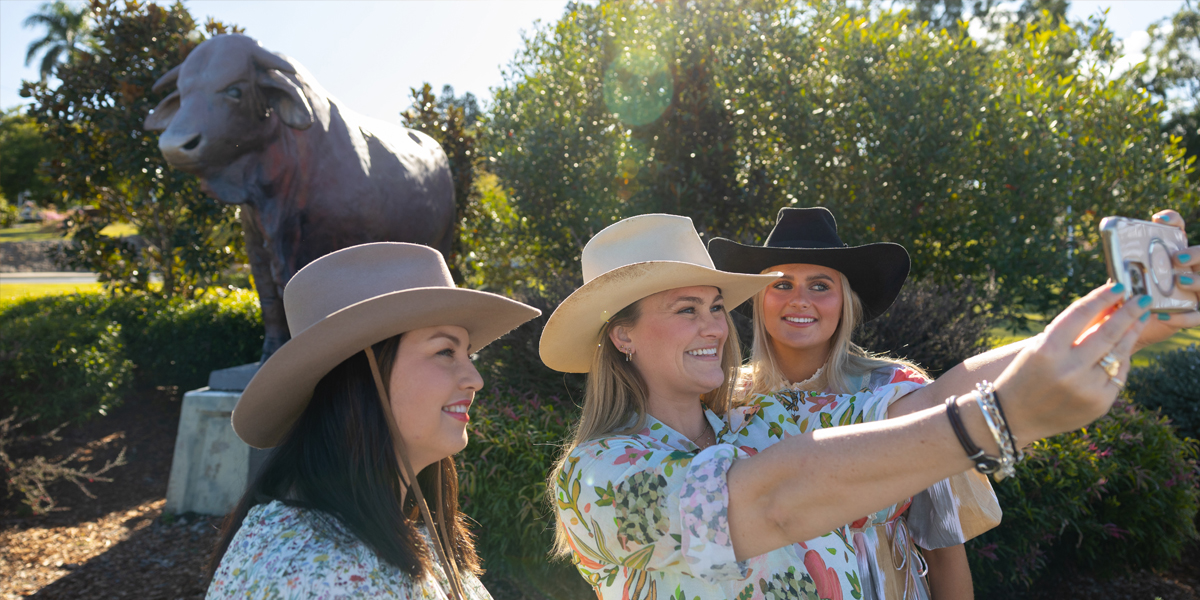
(628, 354)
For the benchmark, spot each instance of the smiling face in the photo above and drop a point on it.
(801, 310)
(432, 385)
(678, 342)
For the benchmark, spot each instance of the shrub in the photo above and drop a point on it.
(1117, 496)
(69, 357)
(515, 438)
(1172, 383)
(933, 325)
(62, 359)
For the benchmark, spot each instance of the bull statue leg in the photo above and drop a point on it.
(269, 292)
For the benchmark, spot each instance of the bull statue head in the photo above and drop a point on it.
(227, 92)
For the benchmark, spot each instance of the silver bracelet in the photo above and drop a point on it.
(993, 415)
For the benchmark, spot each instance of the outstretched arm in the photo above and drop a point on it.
(962, 378)
(808, 485)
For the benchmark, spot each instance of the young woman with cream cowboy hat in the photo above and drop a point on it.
(370, 395)
(667, 491)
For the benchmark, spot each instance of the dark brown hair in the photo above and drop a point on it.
(337, 461)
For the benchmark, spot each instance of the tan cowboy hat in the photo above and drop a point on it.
(344, 302)
(625, 262)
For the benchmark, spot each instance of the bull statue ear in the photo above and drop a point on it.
(167, 80)
(286, 99)
(160, 118)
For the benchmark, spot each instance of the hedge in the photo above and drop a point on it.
(69, 357)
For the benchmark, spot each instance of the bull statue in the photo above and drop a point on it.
(312, 176)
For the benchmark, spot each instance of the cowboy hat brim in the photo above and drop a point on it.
(572, 333)
(283, 386)
(876, 271)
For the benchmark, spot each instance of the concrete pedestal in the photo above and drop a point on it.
(211, 466)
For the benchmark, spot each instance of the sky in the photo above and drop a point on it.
(369, 54)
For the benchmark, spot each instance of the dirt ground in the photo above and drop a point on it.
(119, 545)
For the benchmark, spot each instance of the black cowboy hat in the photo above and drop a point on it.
(809, 235)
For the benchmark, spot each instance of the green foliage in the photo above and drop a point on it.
(934, 326)
(22, 149)
(1171, 383)
(63, 358)
(1117, 496)
(993, 165)
(9, 215)
(103, 157)
(70, 357)
(514, 439)
(451, 121)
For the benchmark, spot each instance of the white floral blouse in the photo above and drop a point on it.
(646, 514)
(285, 552)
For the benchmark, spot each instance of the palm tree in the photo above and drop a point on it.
(66, 29)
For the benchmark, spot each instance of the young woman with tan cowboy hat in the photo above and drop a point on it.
(667, 491)
(365, 406)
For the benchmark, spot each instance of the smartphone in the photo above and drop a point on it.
(1140, 255)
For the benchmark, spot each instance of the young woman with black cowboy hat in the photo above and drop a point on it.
(365, 406)
(667, 491)
(803, 355)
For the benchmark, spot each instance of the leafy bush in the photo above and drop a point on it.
(1119, 495)
(8, 212)
(515, 438)
(935, 326)
(69, 357)
(1172, 383)
(62, 359)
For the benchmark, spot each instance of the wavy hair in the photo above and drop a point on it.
(616, 394)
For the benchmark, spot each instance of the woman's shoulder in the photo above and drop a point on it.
(282, 550)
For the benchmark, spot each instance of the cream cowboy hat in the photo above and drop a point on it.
(625, 262)
(344, 302)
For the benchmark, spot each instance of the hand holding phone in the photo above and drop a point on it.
(1140, 254)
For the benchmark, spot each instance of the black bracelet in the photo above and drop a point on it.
(983, 462)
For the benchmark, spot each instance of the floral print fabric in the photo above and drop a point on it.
(647, 514)
(282, 552)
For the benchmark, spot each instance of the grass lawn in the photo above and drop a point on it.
(29, 232)
(1001, 336)
(13, 291)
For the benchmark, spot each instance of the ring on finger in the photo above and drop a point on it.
(1118, 381)
(1111, 365)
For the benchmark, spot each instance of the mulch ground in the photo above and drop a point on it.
(119, 545)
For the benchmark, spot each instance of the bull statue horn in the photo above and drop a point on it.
(265, 59)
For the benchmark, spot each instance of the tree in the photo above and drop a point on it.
(452, 122)
(1172, 74)
(103, 159)
(992, 165)
(22, 150)
(67, 29)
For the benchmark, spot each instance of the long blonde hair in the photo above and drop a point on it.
(847, 361)
(616, 392)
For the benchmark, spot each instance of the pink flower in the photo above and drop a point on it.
(357, 578)
(632, 455)
(820, 402)
(828, 585)
(1113, 531)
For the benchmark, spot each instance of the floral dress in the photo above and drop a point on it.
(287, 552)
(647, 514)
(947, 513)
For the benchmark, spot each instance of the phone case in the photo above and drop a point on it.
(1140, 255)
